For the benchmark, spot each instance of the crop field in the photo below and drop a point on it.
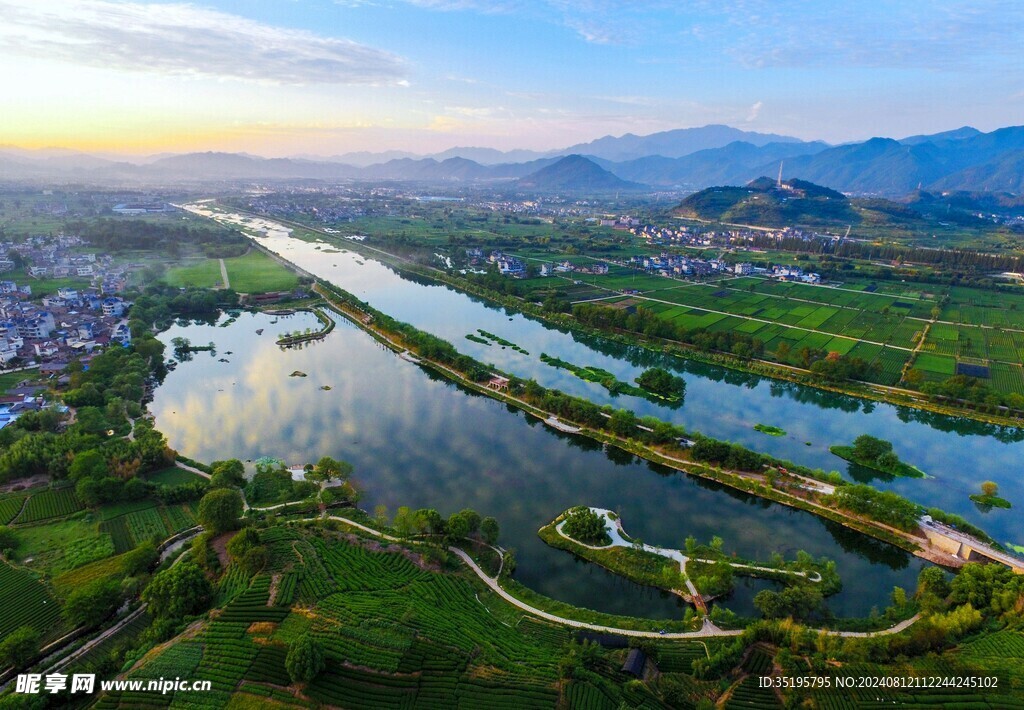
(256, 272)
(397, 635)
(990, 354)
(10, 506)
(748, 695)
(119, 533)
(56, 546)
(67, 582)
(131, 523)
(50, 503)
(815, 311)
(26, 602)
(880, 322)
(394, 634)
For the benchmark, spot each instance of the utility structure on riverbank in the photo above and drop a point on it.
(964, 548)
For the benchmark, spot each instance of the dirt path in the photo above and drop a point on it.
(224, 275)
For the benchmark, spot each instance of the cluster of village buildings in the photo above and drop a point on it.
(58, 258)
(682, 265)
(52, 330)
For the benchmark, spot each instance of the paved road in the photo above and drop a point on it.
(193, 469)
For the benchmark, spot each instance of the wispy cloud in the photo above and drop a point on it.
(755, 110)
(183, 39)
(911, 34)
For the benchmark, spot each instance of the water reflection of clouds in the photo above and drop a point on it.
(423, 442)
(720, 403)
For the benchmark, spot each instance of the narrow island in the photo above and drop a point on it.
(655, 383)
(772, 430)
(485, 338)
(876, 454)
(697, 573)
(989, 496)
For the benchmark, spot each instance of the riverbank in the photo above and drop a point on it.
(863, 390)
(798, 493)
(512, 593)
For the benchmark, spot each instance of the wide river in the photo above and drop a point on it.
(419, 441)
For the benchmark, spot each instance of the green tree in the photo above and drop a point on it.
(404, 521)
(887, 461)
(92, 603)
(429, 520)
(141, 559)
(219, 510)
(305, 659)
(227, 474)
(662, 382)
(585, 525)
(88, 464)
(456, 528)
(868, 448)
(472, 519)
(622, 422)
(242, 542)
(254, 559)
(328, 468)
(8, 539)
(178, 591)
(489, 529)
(19, 647)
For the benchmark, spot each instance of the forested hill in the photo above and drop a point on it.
(764, 203)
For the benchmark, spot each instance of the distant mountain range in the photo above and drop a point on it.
(964, 159)
(574, 173)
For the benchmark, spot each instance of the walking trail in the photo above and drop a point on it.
(709, 629)
(613, 526)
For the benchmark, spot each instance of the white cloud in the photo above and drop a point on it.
(754, 111)
(182, 39)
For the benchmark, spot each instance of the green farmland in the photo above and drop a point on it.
(883, 325)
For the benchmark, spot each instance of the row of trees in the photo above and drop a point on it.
(117, 235)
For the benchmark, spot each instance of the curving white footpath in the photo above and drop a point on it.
(707, 630)
(613, 526)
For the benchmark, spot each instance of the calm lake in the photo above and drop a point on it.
(420, 441)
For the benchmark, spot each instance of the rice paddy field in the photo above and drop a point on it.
(976, 333)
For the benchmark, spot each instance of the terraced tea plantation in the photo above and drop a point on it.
(394, 634)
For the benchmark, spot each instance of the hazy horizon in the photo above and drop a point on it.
(327, 77)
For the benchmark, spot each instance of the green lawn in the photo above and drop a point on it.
(205, 274)
(254, 272)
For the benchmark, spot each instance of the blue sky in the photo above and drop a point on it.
(282, 77)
